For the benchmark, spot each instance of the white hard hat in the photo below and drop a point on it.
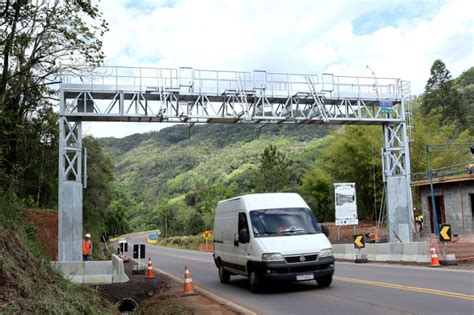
(88, 235)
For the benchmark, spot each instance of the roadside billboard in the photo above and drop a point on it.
(346, 204)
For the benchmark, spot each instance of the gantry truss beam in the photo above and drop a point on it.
(205, 96)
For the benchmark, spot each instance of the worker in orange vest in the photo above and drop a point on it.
(86, 247)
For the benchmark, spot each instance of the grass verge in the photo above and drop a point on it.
(164, 306)
(184, 242)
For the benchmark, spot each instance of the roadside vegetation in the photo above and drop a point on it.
(37, 37)
(28, 283)
(184, 242)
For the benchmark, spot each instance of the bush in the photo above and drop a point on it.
(10, 209)
(184, 242)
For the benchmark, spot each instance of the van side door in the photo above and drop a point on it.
(242, 241)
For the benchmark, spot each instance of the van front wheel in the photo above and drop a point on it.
(256, 282)
(324, 281)
(224, 275)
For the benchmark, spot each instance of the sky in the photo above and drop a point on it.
(395, 38)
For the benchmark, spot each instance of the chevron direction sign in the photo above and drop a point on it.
(359, 241)
(445, 233)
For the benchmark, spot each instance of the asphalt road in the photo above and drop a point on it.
(356, 288)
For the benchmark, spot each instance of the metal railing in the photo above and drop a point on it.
(458, 169)
(219, 82)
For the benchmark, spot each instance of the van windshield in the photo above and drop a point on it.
(279, 222)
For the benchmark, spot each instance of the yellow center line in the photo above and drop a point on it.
(456, 295)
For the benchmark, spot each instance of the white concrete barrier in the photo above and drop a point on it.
(118, 275)
(418, 252)
(72, 270)
(93, 272)
(97, 272)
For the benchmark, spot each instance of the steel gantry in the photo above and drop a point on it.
(187, 95)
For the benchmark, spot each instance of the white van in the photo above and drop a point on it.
(271, 236)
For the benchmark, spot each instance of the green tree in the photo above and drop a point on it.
(348, 155)
(431, 129)
(117, 219)
(194, 223)
(273, 173)
(36, 163)
(316, 190)
(440, 95)
(465, 86)
(99, 192)
(173, 215)
(35, 37)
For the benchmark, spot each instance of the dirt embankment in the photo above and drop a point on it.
(46, 223)
(346, 232)
(29, 285)
(158, 296)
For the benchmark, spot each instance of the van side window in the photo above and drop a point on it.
(243, 221)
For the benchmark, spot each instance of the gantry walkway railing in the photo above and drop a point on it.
(206, 96)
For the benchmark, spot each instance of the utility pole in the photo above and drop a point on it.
(448, 147)
(433, 204)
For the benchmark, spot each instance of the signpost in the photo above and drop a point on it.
(445, 233)
(207, 235)
(123, 246)
(445, 236)
(122, 249)
(346, 205)
(138, 253)
(359, 243)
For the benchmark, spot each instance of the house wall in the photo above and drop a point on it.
(457, 205)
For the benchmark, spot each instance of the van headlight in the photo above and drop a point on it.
(325, 252)
(272, 257)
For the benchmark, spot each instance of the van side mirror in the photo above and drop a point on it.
(244, 236)
(325, 230)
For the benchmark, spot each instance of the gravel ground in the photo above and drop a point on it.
(161, 296)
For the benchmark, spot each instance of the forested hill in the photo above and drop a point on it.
(219, 135)
(174, 160)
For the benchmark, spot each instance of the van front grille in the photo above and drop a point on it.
(301, 258)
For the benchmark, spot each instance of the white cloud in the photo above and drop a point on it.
(289, 36)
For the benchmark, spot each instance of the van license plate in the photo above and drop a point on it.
(308, 276)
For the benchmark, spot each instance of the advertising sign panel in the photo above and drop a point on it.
(346, 204)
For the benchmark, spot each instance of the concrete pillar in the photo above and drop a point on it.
(70, 191)
(398, 209)
(70, 222)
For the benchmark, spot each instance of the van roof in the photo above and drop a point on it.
(270, 201)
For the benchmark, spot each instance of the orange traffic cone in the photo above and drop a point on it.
(434, 257)
(188, 283)
(149, 270)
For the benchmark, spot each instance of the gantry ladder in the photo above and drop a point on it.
(243, 96)
(317, 100)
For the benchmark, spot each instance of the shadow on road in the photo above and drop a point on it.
(278, 287)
